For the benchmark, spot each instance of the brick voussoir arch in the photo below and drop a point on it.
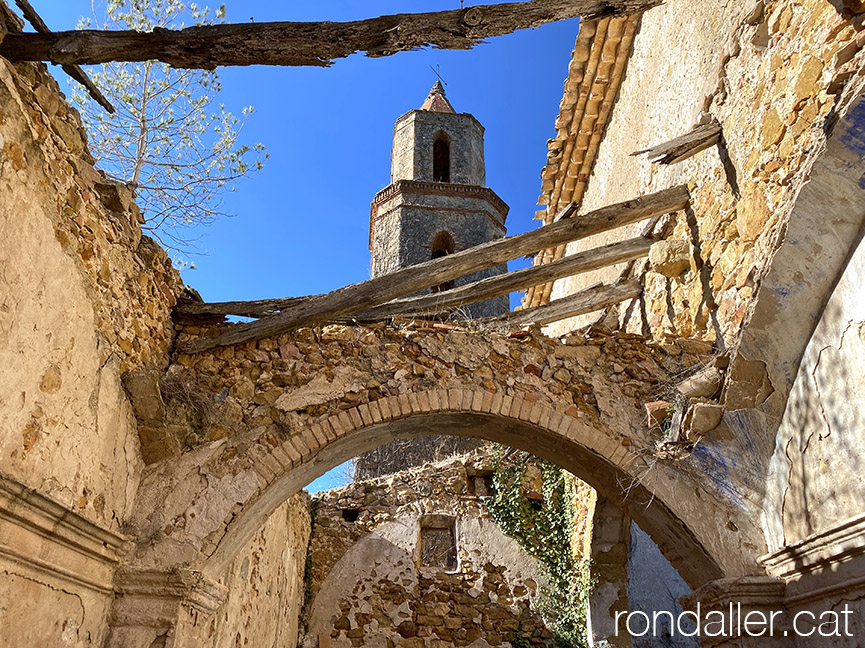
(257, 423)
(582, 446)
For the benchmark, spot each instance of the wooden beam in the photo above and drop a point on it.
(257, 308)
(435, 303)
(307, 43)
(350, 299)
(72, 70)
(684, 146)
(585, 301)
(431, 304)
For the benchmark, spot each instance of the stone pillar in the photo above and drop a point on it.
(611, 532)
(164, 609)
(747, 612)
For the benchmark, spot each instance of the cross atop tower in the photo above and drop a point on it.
(437, 71)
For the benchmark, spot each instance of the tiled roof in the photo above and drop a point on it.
(437, 101)
(594, 76)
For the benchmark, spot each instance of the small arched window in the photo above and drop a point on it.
(442, 245)
(441, 159)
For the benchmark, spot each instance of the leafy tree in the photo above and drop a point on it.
(176, 148)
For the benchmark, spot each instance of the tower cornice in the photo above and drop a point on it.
(403, 187)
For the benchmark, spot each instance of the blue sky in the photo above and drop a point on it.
(301, 224)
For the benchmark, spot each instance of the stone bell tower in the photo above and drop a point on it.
(437, 202)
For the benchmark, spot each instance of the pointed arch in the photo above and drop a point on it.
(441, 157)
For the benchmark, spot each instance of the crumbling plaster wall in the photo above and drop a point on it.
(84, 298)
(266, 582)
(753, 268)
(770, 75)
(370, 591)
(817, 477)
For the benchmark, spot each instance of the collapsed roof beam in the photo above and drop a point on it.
(405, 281)
(434, 303)
(431, 304)
(305, 43)
(581, 302)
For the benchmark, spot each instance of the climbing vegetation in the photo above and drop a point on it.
(544, 527)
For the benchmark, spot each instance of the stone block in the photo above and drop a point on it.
(747, 384)
(145, 394)
(670, 257)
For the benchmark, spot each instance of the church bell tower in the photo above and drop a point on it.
(437, 202)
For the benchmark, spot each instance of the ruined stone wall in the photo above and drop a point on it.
(266, 582)
(770, 77)
(371, 587)
(84, 298)
(768, 261)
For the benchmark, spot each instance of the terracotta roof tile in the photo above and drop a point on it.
(436, 100)
(594, 76)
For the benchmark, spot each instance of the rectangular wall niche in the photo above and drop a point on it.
(437, 543)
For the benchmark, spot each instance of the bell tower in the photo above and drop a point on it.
(437, 202)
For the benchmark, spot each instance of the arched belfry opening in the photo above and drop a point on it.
(441, 158)
(442, 244)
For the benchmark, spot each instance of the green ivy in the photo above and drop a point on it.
(544, 530)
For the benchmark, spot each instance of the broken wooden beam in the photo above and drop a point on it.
(434, 303)
(71, 69)
(681, 148)
(306, 43)
(255, 308)
(582, 302)
(360, 296)
(431, 304)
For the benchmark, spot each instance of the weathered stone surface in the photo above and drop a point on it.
(657, 412)
(747, 384)
(703, 384)
(670, 257)
(144, 392)
(368, 579)
(266, 583)
(701, 418)
(80, 307)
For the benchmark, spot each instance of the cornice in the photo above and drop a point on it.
(183, 586)
(40, 535)
(405, 187)
(818, 551)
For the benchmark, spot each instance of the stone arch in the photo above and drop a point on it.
(516, 421)
(576, 445)
(578, 403)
